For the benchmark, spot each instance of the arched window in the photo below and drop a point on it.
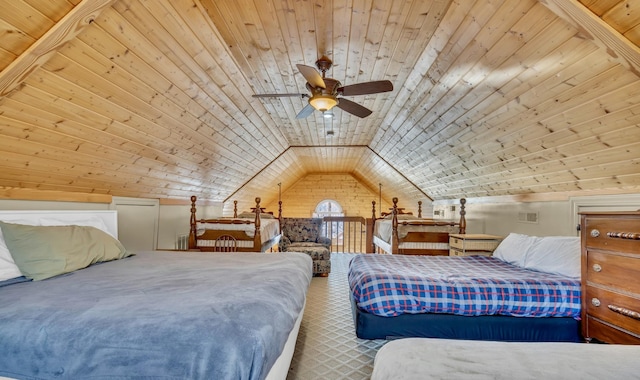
(328, 207)
(333, 230)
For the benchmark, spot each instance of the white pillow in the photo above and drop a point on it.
(513, 249)
(555, 254)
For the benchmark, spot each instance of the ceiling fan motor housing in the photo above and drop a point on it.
(332, 86)
(323, 64)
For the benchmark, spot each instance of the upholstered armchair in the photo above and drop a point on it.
(302, 232)
(304, 235)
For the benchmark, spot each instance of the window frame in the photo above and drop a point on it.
(330, 202)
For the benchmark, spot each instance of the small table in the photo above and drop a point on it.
(473, 244)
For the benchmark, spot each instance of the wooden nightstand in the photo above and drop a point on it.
(473, 244)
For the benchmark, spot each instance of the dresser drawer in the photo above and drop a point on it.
(619, 234)
(599, 303)
(607, 333)
(612, 270)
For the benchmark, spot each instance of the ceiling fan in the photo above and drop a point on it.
(327, 93)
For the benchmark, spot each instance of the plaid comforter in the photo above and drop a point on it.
(389, 285)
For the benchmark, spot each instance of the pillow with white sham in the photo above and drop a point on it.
(8, 267)
(555, 254)
(251, 215)
(513, 249)
(92, 221)
(42, 252)
(403, 217)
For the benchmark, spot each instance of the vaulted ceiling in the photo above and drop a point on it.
(154, 98)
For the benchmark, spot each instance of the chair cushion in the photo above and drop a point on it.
(301, 229)
(316, 253)
(319, 253)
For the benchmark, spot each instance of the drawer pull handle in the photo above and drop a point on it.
(595, 233)
(624, 235)
(597, 268)
(625, 312)
(595, 302)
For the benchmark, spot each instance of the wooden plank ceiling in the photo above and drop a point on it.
(154, 98)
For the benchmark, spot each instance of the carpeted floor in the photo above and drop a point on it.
(327, 346)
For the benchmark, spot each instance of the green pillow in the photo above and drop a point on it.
(41, 252)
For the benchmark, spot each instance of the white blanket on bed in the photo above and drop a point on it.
(384, 228)
(268, 228)
(424, 358)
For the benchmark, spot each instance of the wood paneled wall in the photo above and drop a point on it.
(301, 199)
(153, 98)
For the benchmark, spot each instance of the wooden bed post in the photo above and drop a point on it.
(235, 209)
(371, 224)
(257, 240)
(419, 209)
(463, 220)
(279, 212)
(394, 226)
(373, 210)
(192, 221)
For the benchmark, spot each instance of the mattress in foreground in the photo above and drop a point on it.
(391, 285)
(169, 315)
(419, 358)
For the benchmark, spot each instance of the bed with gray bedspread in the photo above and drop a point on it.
(444, 359)
(169, 315)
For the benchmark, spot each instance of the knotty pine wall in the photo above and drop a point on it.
(301, 199)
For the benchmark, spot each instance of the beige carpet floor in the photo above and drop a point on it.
(327, 346)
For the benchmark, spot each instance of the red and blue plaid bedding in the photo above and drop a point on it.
(390, 285)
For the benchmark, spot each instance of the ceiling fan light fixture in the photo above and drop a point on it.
(325, 91)
(323, 103)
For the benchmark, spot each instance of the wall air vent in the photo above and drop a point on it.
(528, 217)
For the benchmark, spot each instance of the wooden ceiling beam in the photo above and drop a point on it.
(40, 51)
(617, 46)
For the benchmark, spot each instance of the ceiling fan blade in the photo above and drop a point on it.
(311, 75)
(279, 95)
(366, 88)
(305, 112)
(353, 108)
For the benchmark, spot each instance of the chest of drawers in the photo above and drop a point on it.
(611, 276)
